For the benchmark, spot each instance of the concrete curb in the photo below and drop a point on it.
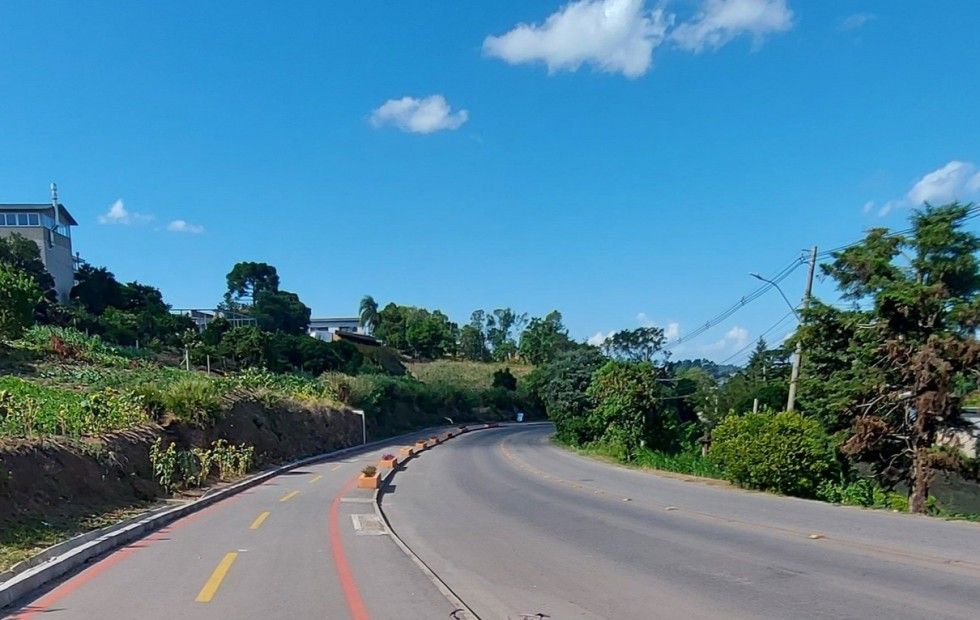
(463, 611)
(66, 556)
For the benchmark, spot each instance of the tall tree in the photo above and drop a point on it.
(893, 371)
(473, 340)
(637, 345)
(96, 289)
(248, 280)
(368, 313)
(503, 330)
(544, 339)
(281, 311)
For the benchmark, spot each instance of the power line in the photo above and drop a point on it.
(741, 303)
(972, 213)
(765, 333)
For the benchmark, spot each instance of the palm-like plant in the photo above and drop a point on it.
(368, 312)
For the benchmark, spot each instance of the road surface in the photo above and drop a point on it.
(283, 549)
(515, 525)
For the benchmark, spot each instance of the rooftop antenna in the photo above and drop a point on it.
(54, 204)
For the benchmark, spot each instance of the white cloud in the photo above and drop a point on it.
(181, 226)
(853, 22)
(615, 36)
(735, 338)
(869, 206)
(118, 214)
(425, 115)
(598, 338)
(957, 180)
(720, 21)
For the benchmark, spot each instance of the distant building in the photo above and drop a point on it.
(203, 316)
(325, 328)
(49, 226)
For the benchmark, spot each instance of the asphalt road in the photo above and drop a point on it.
(284, 549)
(515, 525)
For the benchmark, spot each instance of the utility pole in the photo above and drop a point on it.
(798, 358)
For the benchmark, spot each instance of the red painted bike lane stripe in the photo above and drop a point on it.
(45, 603)
(352, 593)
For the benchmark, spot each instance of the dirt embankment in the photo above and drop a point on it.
(53, 480)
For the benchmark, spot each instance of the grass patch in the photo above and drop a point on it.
(690, 463)
(477, 375)
(20, 542)
(28, 409)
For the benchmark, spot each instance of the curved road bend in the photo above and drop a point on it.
(283, 549)
(515, 525)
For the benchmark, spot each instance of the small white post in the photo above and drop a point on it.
(360, 412)
(209, 364)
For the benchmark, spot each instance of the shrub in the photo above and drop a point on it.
(782, 452)
(19, 295)
(861, 492)
(369, 471)
(194, 400)
(628, 409)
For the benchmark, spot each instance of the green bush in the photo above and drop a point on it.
(19, 295)
(783, 452)
(861, 492)
(193, 400)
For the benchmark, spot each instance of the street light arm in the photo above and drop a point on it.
(776, 286)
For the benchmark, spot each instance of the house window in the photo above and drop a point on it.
(22, 219)
(33, 219)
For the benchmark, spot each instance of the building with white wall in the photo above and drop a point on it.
(49, 226)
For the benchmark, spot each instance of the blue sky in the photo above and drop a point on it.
(619, 160)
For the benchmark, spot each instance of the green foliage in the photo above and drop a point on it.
(685, 462)
(417, 332)
(96, 289)
(783, 452)
(248, 280)
(70, 344)
(561, 388)
(627, 409)
(281, 311)
(196, 400)
(19, 295)
(368, 312)
(638, 345)
(176, 469)
(28, 409)
(22, 254)
(473, 343)
(861, 492)
(544, 339)
(913, 350)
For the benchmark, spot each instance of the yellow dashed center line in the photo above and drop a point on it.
(214, 581)
(315, 478)
(259, 520)
(336, 467)
(289, 496)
